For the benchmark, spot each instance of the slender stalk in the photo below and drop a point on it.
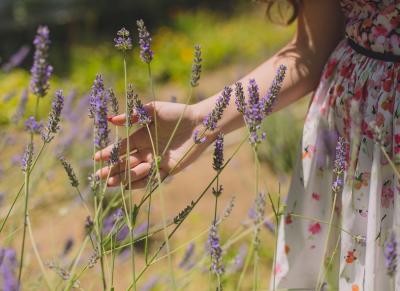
(100, 234)
(246, 265)
(25, 223)
(36, 252)
(154, 108)
(156, 163)
(127, 168)
(321, 271)
(255, 267)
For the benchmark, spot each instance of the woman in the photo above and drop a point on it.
(349, 53)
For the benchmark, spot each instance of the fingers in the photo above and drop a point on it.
(134, 160)
(137, 140)
(137, 173)
(143, 182)
(120, 120)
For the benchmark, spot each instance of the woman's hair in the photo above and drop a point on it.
(282, 11)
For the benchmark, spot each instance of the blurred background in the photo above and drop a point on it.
(235, 36)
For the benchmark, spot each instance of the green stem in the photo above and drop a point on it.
(156, 165)
(21, 188)
(322, 268)
(246, 265)
(154, 108)
(189, 98)
(127, 171)
(194, 205)
(25, 223)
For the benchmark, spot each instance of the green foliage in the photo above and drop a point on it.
(280, 150)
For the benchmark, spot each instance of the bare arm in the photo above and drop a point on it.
(319, 29)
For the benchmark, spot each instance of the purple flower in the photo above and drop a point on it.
(123, 41)
(269, 100)
(54, 117)
(113, 101)
(140, 229)
(215, 251)
(211, 120)
(146, 53)
(32, 126)
(134, 103)
(197, 139)
(150, 284)
(41, 70)
(100, 121)
(339, 164)
(391, 255)
(110, 222)
(8, 267)
(268, 224)
(218, 157)
(114, 155)
(16, 59)
(239, 98)
(258, 218)
(187, 262)
(70, 172)
(26, 160)
(256, 109)
(196, 66)
(95, 93)
(238, 260)
(19, 113)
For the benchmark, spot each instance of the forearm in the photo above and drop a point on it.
(304, 57)
(301, 77)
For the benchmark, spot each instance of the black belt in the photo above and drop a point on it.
(387, 57)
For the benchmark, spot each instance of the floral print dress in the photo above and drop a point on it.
(358, 99)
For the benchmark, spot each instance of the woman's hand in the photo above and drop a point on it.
(141, 156)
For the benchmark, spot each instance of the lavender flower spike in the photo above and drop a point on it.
(26, 161)
(123, 41)
(391, 255)
(339, 164)
(113, 101)
(196, 67)
(239, 98)
(143, 116)
(97, 90)
(54, 117)
(41, 70)
(186, 262)
(218, 158)
(197, 139)
(19, 113)
(211, 120)
(114, 155)
(269, 100)
(32, 126)
(100, 120)
(215, 250)
(70, 172)
(259, 206)
(146, 53)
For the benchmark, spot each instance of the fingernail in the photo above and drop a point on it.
(109, 118)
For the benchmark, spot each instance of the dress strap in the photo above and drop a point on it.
(387, 57)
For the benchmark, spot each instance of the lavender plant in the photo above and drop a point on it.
(109, 230)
